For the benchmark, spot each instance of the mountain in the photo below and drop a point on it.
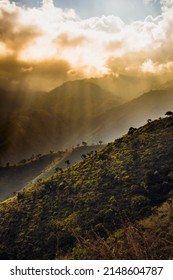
(54, 120)
(167, 85)
(151, 105)
(127, 87)
(27, 172)
(115, 198)
(74, 112)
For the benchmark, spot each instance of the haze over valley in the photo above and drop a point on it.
(86, 139)
(63, 75)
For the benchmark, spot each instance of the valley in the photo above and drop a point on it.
(30, 172)
(74, 112)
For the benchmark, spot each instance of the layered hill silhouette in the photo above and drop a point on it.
(150, 105)
(74, 112)
(55, 120)
(116, 203)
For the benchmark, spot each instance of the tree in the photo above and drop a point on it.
(83, 156)
(23, 161)
(169, 113)
(58, 169)
(38, 156)
(100, 142)
(20, 195)
(131, 130)
(84, 143)
(67, 162)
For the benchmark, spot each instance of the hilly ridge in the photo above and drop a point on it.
(150, 105)
(27, 172)
(54, 120)
(124, 182)
(74, 112)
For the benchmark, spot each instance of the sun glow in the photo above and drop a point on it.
(88, 47)
(36, 52)
(4, 50)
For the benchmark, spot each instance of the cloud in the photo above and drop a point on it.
(48, 4)
(166, 3)
(70, 40)
(110, 24)
(42, 47)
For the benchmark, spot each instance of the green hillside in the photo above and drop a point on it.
(102, 202)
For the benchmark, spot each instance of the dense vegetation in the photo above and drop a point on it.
(115, 204)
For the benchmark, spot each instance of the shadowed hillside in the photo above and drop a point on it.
(95, 200)
(14, 178)
(54, 120)
(76, 111)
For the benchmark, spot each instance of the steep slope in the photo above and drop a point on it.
(148, 238)
(125, 181)
(14, 178)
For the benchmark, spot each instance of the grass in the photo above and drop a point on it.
(105, 207)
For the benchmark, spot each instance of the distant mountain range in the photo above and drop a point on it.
(74, 112)
(32, 124)
(151, 105)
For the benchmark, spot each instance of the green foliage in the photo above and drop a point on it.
(140, 204)
(93, 201)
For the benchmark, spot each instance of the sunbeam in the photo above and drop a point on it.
(90, 47)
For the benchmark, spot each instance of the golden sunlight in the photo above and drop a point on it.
(89, 47)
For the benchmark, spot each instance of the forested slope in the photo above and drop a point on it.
(121, 184)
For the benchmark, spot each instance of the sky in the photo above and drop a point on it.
(45, 43)
(128, 10)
